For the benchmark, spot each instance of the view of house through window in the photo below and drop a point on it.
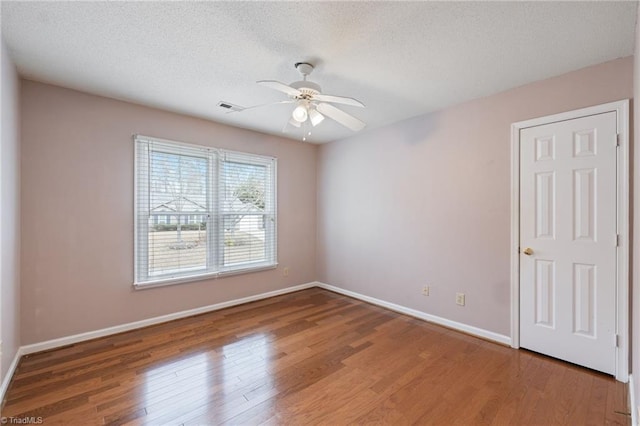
(201, 211)
(178, 195)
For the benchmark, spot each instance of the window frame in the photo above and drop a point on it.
(215, 267)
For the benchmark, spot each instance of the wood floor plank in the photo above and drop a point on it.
(311, 357)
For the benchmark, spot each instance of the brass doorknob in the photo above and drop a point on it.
(528, 251)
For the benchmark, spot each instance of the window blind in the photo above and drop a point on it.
(201, 211)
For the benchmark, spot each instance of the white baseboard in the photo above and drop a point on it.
(69, 340)
(76, 338)
(7, 377)
(633, 405)
(485, 334)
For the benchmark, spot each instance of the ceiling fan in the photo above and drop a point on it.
(311, 105)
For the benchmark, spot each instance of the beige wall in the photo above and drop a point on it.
(382, 197)
(427, 201)
(77, 212)
(9, 212)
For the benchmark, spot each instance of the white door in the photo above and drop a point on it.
(568, 240)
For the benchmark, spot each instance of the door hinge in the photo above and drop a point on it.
(617, 240)
(616, 340)
(617, 139)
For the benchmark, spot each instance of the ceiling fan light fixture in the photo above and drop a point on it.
(300, 113)
(311, 104)
(315, 117)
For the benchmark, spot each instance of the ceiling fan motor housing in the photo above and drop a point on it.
(304, 68)
(308, 88)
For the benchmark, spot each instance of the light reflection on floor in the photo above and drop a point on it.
(213, 384)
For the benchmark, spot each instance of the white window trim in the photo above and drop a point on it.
(216, 156)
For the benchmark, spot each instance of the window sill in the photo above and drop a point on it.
(162, 282)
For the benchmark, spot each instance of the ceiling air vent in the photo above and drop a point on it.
(229, 106)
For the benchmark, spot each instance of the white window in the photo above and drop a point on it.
(231, 193)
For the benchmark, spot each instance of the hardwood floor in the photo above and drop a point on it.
(311, 357)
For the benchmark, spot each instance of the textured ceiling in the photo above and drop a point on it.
(401, 59)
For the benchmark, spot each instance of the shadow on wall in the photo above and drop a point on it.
(419, 129)
(412, 131)
(499, 295)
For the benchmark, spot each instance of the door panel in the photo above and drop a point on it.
(568, 220)
(545, 292)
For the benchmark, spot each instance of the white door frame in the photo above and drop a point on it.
(622, 279)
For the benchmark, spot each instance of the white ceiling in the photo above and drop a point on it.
(401, 59)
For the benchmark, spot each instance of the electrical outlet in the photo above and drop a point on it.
(460, 299)
(285, 271)
(425, 290)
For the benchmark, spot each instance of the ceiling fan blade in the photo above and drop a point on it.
(281, 87)
(341, 117)
(262, 105)
(338, 100)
